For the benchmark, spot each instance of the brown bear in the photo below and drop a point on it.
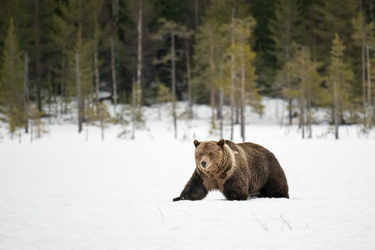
(238, 170)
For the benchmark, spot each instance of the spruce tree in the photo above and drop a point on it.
(243, 68)
(333, 17)
(104, 117)
(170, 30)
(12, 81)
(363, 37)
(286, 28)
(78, 34)
(305, 87)
(364, 40)
(340, 77)
(37, 126)
(209, 50)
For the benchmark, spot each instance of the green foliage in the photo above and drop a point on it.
(104, 117)
(167, 29)
(220, 12)
(138, 114)
(37, 125)
(164, 94)
(243, 54)
(303, 73)
(209, 49)
(164, 97)
(339, 72)
(286, 28)
(304, 80)
(11, 78)
(76, 29)
(51, 32)
(363, 32)
(333, 18)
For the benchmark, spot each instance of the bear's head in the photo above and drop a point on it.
(209, 155)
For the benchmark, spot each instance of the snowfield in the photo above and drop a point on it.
(63, 192)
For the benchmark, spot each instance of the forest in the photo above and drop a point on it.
(73, 56)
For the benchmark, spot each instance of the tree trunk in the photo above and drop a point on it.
(140, 57)
(188, 73)
(302, 118)
(38, 69)
(115, 5)
(290, 110)
(212, 85)
(302, 109)
(173, 72)
(221, 101)
(64, 88)
(336, 110)
(221, 112)
(232, 81)
(49, 100)
(243, 98)
(363, 75)
(102, 123)
(26, 92)
(96, 69)
(79, 95)
(31, 129)
(133, 109)
(113, 66)
(309, 118)
(368, 76)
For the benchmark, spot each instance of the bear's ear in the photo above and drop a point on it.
(221, 143)
(196, 143)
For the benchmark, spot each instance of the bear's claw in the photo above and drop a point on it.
(178, 199)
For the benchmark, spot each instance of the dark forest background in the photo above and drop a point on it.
(311, 53)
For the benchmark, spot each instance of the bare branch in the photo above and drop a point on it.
(262, 225)
(160, 210)
(285, 223)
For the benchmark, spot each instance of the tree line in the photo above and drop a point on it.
(58, 56)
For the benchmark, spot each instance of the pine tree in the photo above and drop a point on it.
(370, 118)
(333, 17)
(139, 13)
(209, 51)
(243, 67)
(164, 96)
(104, 117)
(340, 77)
(363, 37)
(136, 25)
(78, 34)
(170, 30)
(305, 87)
(12, 81)
(213, 38)
(37, 126)
(32, 19)
(286, 29)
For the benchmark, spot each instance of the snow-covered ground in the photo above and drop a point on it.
(63, 192)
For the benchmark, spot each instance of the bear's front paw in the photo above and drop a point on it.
(178, 198)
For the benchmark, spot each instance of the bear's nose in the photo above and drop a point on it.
(204, 163)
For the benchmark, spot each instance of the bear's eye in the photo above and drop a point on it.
(210, 154)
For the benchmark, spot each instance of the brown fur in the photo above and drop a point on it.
(238, 170)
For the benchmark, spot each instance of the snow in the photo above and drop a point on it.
(63, 192)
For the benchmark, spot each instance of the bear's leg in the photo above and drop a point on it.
(274, 189)
(234, 189)
(194, 189)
